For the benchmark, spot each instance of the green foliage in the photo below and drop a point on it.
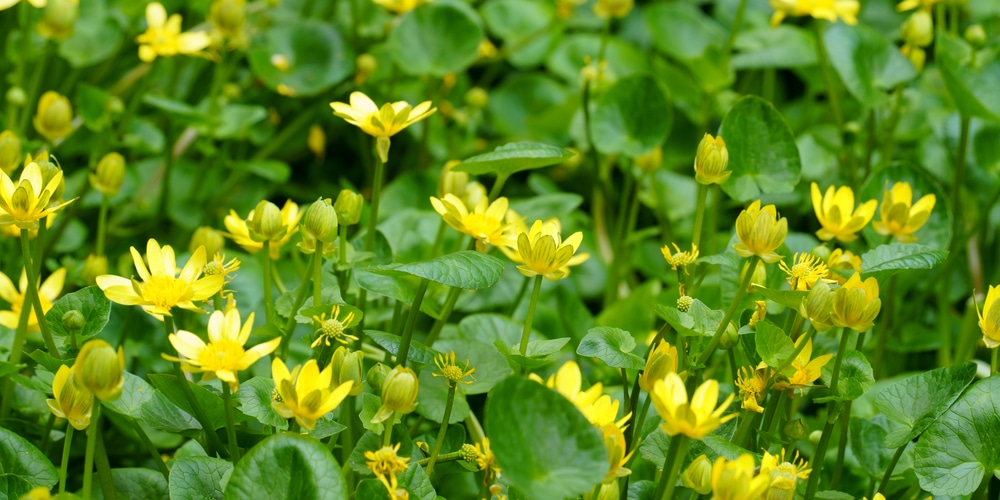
(22, 466)
(436, 38)
(773, 344)
(885, 260)
(91, 302)
(514, 157)
(612, 346)
(316, 53)
(914, 403)
(632, 117)
(763, 155)
(287, 466)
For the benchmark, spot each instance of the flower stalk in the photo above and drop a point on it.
(411, 320)
(64, 464)
(88, 461)
(34, 302)
(671, 467)
(740, 291)
(213, 441)
(449, 403)
(699, 209)
(833, 415)
(376, 197)
(531, 315)
(234, 446)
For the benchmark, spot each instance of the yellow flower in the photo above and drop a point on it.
(711, 161)
(606, 9)
(224, 356)
(70, 402)
(856, 304)
(58, 19)
(485, 223)
(163, 37)
(54, 116)
(906, 5)
(614, 443)
(385, 463)
(486, 461)
(753, 387)
(603, 412)
(401, 6)
(918, 29)
(6, 4)
(831, 10)
(735, 479)
(805, 370)
(817, 307)
(698, 475)
(334, 328)
(162, 288)
(38, 492)
(760, 312)
(760, 232)
(381, 123)
(10, 151)
(842, 260)
(805, 271)
(451, 371)
(836, 213)
(661, 361)
(695, 418)
(399, 393)
(899, 217)
(567, 381)
(306, 392)
(679, 258)
(782, 475)
(100, 369)
(47, 294)
(543, 253)
(989, 318)
(239, 231)
(878, 496)
(32, 198)
(650, 161)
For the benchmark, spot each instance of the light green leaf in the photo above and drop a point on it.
(287, 466)
(611, 345)
(632, 117)
(763, 156)
(868, 63)
(914, 403)
(514, 157)
(275, 171)
(254, 399)
(199, 478)
(418, 352)
(433, 395)
(466, 269)
(522, 24)
(91, 302)
(698, 321)
(974, 90)
(782, 47)
(773, 344)
(22, 466)
(436, 38)
(210, 402)
(682, 30)
(855, 377)
(135, 484)
(317, 56)
(885, 260)
(135, 393)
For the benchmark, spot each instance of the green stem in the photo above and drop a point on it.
(317, 277)
(795, 353)
(442, 458)
(36, 79)
(831, 420)
(32, 291)
(497, 187)
(959, 180)
(387, 433)
(300, 298)
(841, 446)
(740, 291)
(102, 226)
(671, 467)
(104, 469)
(88, 461)
(699, 209)
(234, 446)
(824, 63)
(444, 427)
(20, 336)
(214, 443)
(888, 470)
(449, 306)
(153, 452)
(64, 464)
(376, 196)
(531, 315)
(640, 420)
(747, 418)
(347, 437)
(411, 321)
(265, 256)
(438, 238)
(995, 362)
(737, 22)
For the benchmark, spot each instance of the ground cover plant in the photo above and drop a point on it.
(510, 249)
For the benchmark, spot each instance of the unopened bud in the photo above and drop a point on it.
(477, 98)
(100, 369)
(399, 393)
(16, 96)
(265, 222)
(10, 151)
(109, 175)
(730, 337)
(54, 116)
(711, 161)
(49, 172)
(348, 207)
(795, 429)
(94, 266)
(698, 475)
(229, 16)
(376, 376)
(73, 320)
(348, 366)
(918, 29)
(815, 436)
(976, 36)
(320, 221)
(366, 63)
(207, 237)
(115, 106)
(452, 181)
(59, 19)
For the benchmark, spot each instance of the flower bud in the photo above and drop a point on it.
(452, 181)
(698, 475)
(109, 175)
(711, 161)
(661, 361)
(348, 366)
(10, 151)
(115, 106)
(918, 29)
(817, 306)
(366, 63)
(59, 19)
(73, 320)
(609, 491)
(651, 161)
(208, 237)
(320, 221)
(730, 337)
(317, 141)
(815, 436)
(376, 376)
(265, 222)
(229, 16)
(477, 98)
(976, 36)
(94, 266)
(399, 393)
(348, 207)
(794, 429)
(100, 370)
(54, 116)
(16, 96)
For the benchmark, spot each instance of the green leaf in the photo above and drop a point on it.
(551, 204)
(135, 484)
(92, 103)
(773, 344)
(287, 466)
(533, 106)
(370, 405)
(868, 63)
(698, 321)
(567, 60)
(973, 90)
(868, 444)
(855, 377)
(682, 30)
(254, 399)
(135, 393)
(317, 56)
(763, 156)
(97, 35)
(936, 233)
(885, 260)
(159, 412)
(914, 403)
(275, 171)
(539, 352)
(491, 366)
(210, 402)
(514, 157)
(433, 395)
(632, 117)
(549, 450)
(418, 352)
(611, 345)
(959, 448)
(782, 47)
(91, 302)
(436, 38)
(525, 24)
(398, 286)
(199, 478)
(326, 426)
(467, 269)
(22, 466)
(787, 298)
(235, 121)
(490, 327)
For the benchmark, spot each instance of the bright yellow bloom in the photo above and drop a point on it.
(836, 213)
(614, 443)
(711, 161)
(760, 232)
(989, 318)
(753, 387)
(899, 218)
(544, 253)
(163, 37)
(399, 393)
(603, 412)
(162, 288)
(831, 10)
(695, 418)
(70, 402)
(6, 4)
(100, 369)
(54, 116)
(381, 123)
(47, 294)
(306, 392)
(856, 304)
(385, 463)
(400, 6)
(485, 223)
(661, 361)
(650, 161)
(487, 461)
(804, 370)
(334, 328)
(698, 475)
(567, 381)
(679, 258)
(842, 260)
(878, 496)
(224, 356)
(451, 371)
(817, 307)
(239, 231)
(782, 475)
(736, 479)
(805, 271)
(32, 198)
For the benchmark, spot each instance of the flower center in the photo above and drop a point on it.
(164, 291)
(225, 354)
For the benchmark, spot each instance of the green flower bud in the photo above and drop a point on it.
(366, 63)
(73, 320)
(376, 376)
(477, 98)
(698, 475)
(229, 16)
(16, 96)
(100, 370)
(59, 19)
(918, 29)
(976, 36)
(817, 307)
(265, 222)
(115, 106)
(320, 221)
(10, 152)
(49, 171)
(109, 175)
(815, 436)
(730, 337)
(399, 393)
(348, 207)
(54, 116)
(349, 366)
(795, 429)
(94, 266)
(208, 237)
(711, 161)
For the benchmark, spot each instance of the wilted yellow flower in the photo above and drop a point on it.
(753, 387)
(817, 307)
(450, 370)
(695, 418)
(163, 37)
(606, 9)
(306, 393)
(661, 361)
(831, 10)
(568, 381)
(47, 294)
(162, 288)
(711, 161)
(400, 6)
(385, 463)
(543, 252)
(836, 213)
(782, 475)
(736, 479)
(989, 318)
(760, 232)
(32, 198)
(239, 231)
(109, 174)
(54, 116)
(679, 258)
(399, 393)
(10, 151)
(381, 123)
(842, 260)
(70, 402)
(899, 218)
(698, 475)
(856, 304)
(804, 370)
(805, 271)
(224, 356)
(485, 223)
(334, 328)
(100, 369)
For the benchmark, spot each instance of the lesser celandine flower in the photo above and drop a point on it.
(163, 37)
(711, 161)
(451, 371)
(856, 304)
(698, 475)
(307, 394)
(54, 116)
(753, 386)
(400, 6)
(782, 475)
(831, 10)
(381, 123)
(817, 307)
(162, 287)
(989, 318)
(10, 151)
(70, 403)
(842, 260)
(543, 252)
(661, 361)
(334, 328)
(603, 412)
(878, 496)
(225, 355)
(386, 463)
(614, 443)
(900, 216)
(806, 270)
(737, 479)
(568, 381)
(47, 294)
(399, 393)
(32, 198)
(694, 418)
(239, 229)
(679, 258)
(109, 174)
(804, 369)
(760, 232)
(485, 222)
(100, 369)
(836, 213)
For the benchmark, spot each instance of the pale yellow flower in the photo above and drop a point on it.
(989, 318)
(760, 232)
(695, 418)
(856, 304)
(163, 37)
(753, 387)
(737, 479)
(831, 10)
(32, 198)
(804, 369)
(900, 216)
(381, 123)
(484, 223)
(400, 6)
(806, 270)
(48, 292)
(543, 252)
(782, 475)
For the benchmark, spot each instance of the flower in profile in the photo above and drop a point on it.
(399, 393)
(224, 356)
(711, 161)
(837, 214)
(543, 252)
(334, 328)
(736, 479)
(661, 361)
(603, 412)
(348, 366)
(568, 381)
(47, 294)
(32, 198)
(450, 370)
(381, 123)
(782, 475)
(485, 222)
(163, 37)
(989, 318)
(695, 418)
(805, 271)
(804, 369)
(900, 216)
(614, 443)
(220, 266)
(760, 232)
(54, 116)
(842, 260)
(831, 10)
(239, 229)
(70, 402)
(162, 288)
(100, 369)
(856, 304)
(817, 307)
(698, 475)
(486, 461)
(109, 174)
(400, 6)
(679, 258)
(753, 387)
(385, 463)
(306, 393)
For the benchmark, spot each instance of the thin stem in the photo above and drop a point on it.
(234, 446)
(449, 306)
(743, 429)
(64, 464)
(444, 427)
(20, 336)
(531, 315)
(88, 461)
(347, 436)
(699, 209)
(32, 291)
(411, 321)
(497, 186)
(831, 420)
(740, 291)
(265, 256)
(640, 420)
(888, 470)
(841, 445)
(442, 458)
(737, 22)
(214, 443)
(959, 180)
(317, 278)
(824, 64)
(376, 196)
(387, 433)
(102, 226)
(995, 362)
(153, 452)
(671, 467)
(300, 298)
(625, 395)
(438, 238)
(104, 469)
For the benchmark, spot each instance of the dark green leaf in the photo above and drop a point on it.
(773, 344)
(698, 321)
(254, 399)
(399, 286)
(514, 157)
(287, 466)
(135, 484)
(782, 47)
(135, 393)
(632, 117)
(611, 345)
(787, 298)
(199, 478)
(682, 30)
(466, 269)
(867, 443)
(418, 352)
(22, 466)
(539, 352)
(519, 23)
(317, 57)
(868, 63)
(91, 302)
(436, 38)
(855, 377)
(433, 395)
(885, 260)
(914, 403)
(973, 89)
(210, 402)
(763, 156)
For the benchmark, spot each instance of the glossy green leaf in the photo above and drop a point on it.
(869, 64)
(763, 156)
(885, 260)
(467, 269)
(569, 57)
(936, 232)
(22, 466)
(868, 444)
(91, 302)
(433, 395)
(436, 38)
(269, 170)
(632, 117)
(539, 352)
(914, 403)
(491, 366)
(611, 345)
(682, 30)
(787, 298)
(160, 413)
(316, 54)
(855, 377)
(785, 46)
(135, 393)
(514, 157)
(92, 104)
(133, 483)
(418, 352)
(199, 478)
(97, 35)
(287, 466)
(522, 24)
(398, 286)
(210, 402)
(533, 106)
(698, 321)
(550, 450)
(773, 344)
(973, 89)
(254, 399)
